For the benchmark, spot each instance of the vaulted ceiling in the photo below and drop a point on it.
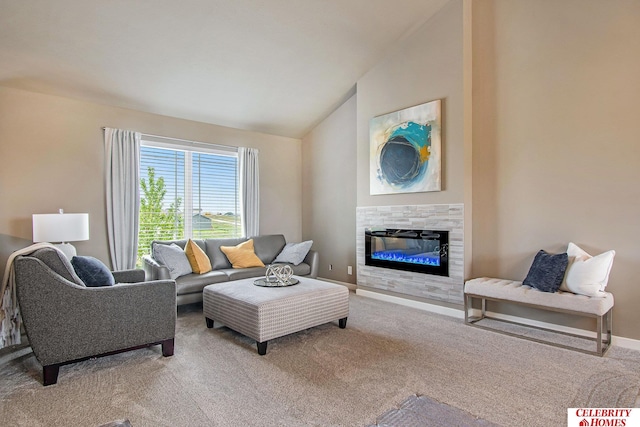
(272, 66)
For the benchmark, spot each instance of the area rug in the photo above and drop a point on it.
(417, 411)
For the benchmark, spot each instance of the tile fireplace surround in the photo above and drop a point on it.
(416, 217)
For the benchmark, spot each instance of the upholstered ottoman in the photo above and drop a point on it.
(265, 313)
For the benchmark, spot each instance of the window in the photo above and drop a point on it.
(187, 191)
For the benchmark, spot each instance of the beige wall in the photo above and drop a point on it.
(52, 155)
(426, 66)
(329, 192)
(555, 138)
(554, 155)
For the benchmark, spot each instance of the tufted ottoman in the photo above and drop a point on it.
(265, 313)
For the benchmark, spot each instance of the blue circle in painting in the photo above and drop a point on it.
(404, 157)
(399, 161)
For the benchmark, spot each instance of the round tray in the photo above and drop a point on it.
(275, 283)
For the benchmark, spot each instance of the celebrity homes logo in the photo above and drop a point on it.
(603, 417)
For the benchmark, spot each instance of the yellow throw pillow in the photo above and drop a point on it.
(242, 255)
(199, 261)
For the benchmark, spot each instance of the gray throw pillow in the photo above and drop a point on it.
(92, 271)
(547, 271)
(173, 257)
(294, 253)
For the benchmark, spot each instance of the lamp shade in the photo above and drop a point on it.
(60, 227)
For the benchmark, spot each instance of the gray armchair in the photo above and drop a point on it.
(67, 322)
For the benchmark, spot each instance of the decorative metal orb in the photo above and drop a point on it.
(279, 273)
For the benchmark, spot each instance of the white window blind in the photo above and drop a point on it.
(187, 191)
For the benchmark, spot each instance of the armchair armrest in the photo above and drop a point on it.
(65, 321)
(154, 270)
(313, 259)
(129, 276)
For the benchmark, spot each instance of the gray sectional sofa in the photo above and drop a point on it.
(189, 287)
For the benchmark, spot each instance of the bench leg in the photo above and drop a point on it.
(342, 323)
(262, 348)
(599, 335)
(468, 306)
(604, 322)
(609, 317)
(209, 322)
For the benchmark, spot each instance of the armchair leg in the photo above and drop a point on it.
(50, 374)
(167, 347)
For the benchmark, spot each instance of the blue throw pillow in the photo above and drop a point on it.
(547, 271)
(92, 271)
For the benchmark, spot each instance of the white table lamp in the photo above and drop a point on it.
(63, 228)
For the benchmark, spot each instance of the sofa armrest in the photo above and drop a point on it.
(129, 276)
(313, 259)
(155, 270)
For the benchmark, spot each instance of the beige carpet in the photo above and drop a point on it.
(324, 376)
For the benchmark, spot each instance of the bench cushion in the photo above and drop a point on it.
(510, 290)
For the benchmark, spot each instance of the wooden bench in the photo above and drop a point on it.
(514, 292)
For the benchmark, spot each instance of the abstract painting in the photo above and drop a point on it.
(405, 150)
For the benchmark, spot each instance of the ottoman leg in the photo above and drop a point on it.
(209, 322)
(262, 348)
(342, 323)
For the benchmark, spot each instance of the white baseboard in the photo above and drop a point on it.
(411, 303)
(351, 286)
(625, 342)
(459, 314)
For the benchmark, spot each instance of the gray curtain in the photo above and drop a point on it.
(122, 154)
(249, 190)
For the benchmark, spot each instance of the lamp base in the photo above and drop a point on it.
(67, 249)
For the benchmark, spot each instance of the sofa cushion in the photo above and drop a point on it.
(191, 283)
(268, 247)
(92, 271)
(197, 258)
(217, 258)
(547, 271)
(242, 255)
(58, 262)
(294, 253)
(173, 257)
(245, 273)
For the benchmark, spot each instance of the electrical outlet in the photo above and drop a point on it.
(330, 267)
(349, 270)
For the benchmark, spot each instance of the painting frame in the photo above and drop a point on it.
(406, 150)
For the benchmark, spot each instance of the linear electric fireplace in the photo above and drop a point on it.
(422, 251)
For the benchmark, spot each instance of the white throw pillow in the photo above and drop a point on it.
(173, 257)
(294, 253)
(586, 274)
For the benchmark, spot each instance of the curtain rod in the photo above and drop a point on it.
(189, 142)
